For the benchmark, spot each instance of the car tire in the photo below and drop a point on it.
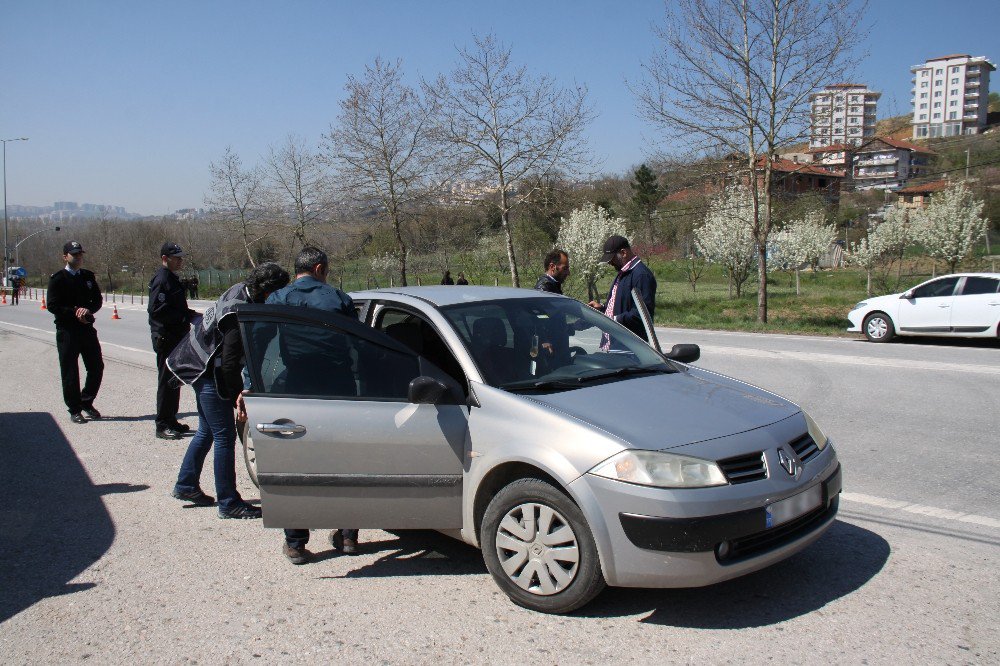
(535, 567)
(249, 453)
(878, 327)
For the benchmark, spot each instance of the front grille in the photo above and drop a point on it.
(805, 447)
(743, 469)
(762, 542)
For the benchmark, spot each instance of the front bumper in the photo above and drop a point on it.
(857, 318)
(659, 538)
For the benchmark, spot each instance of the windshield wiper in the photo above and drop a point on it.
(541, 385)
(631, 370)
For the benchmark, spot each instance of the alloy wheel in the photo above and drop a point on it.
(537, 549)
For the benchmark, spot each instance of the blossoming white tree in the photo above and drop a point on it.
(888, 238)
(582, 236)
(726, 236)
(801, 241)
(950, 225)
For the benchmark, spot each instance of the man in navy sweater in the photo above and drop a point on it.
(632, 273)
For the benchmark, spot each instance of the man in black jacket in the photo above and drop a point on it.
(632, 273)
(74, 297)
(169, 322)
(556, 265)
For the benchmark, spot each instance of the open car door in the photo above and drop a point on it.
(338, 442)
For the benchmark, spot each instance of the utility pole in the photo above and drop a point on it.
(5, 248)
(967, 163)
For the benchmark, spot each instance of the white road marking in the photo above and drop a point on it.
(813, 357)
(103, 343)
(920, 509)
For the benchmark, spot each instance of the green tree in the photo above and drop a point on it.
(645, 195)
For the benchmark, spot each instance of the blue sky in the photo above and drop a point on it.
(127, 102)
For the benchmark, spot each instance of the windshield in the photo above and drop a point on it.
(549, 343)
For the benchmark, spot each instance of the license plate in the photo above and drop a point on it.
(794, 506)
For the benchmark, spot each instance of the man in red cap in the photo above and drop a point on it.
(74, 297)
(632, 273)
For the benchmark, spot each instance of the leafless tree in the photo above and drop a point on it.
(237, 198)
(300, 187)
(735, 76)
(509, 126)
(383, 149)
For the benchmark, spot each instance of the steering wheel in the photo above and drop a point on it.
(577, 351)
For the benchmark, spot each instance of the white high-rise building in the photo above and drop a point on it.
(950, 96)
(842, 114)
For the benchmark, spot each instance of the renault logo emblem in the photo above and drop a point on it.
(787, 462)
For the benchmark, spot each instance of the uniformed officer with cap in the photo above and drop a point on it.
(169, 322)
(74, 297)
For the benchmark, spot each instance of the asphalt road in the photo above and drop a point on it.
(98, 563)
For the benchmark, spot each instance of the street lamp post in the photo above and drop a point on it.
(5, 247)
(17, 243)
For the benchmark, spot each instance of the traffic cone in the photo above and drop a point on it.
(43, 302)
(114, 315)
(3, 297)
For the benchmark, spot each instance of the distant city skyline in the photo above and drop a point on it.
(127, 103)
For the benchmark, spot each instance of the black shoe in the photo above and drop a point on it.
(168, 433)
(296, 555)
(77, 418)
(92, 413)
(180, 427)
(194, 497)
(346, 546)
(241, 512)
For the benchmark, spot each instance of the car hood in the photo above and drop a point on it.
(667, 410)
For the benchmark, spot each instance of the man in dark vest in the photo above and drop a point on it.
(74, 297)
(169, 322)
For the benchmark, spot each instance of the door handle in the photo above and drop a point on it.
(280, 428)
(944, 306)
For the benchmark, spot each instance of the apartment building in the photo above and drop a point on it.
(886, 163)
(843, 113)
(950, 95)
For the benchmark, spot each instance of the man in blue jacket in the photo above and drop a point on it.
(315, 366)
(632, 273)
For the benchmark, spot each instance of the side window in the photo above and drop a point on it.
(298, 359)
(416, 333)
(980, 285)
(942, 287)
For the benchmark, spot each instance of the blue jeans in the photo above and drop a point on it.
(216, 426)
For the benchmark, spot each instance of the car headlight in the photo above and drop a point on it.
(815, 432)
(860, 305)
(663, 470)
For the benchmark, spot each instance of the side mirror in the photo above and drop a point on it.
(684, 353)
(906, 295)
(426, 390)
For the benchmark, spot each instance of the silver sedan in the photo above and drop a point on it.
(566, 448)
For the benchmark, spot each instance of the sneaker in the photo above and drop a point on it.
(296, 555)
(346, 546)
(92, 413)
(241, 512)
(168, 433)
(77, 418)
(194, 497)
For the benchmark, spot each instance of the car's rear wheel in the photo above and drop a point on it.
(878, 327)
(539, 549)
(249, 453)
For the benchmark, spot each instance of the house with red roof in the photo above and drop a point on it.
(885, 163)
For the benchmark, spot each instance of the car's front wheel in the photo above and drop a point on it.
(878, 327)
(539, 549)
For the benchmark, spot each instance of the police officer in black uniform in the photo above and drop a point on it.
(169, 322)
(74, 297)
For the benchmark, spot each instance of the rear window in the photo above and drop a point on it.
(980, 285)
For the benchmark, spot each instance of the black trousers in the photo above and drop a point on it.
(73, 344)
(299, 538)
(168, 388)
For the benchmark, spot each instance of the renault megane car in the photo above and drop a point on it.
(566, 448)
(963, 305)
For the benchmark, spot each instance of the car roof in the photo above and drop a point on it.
(442, 295)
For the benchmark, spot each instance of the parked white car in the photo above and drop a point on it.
(963, 305)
